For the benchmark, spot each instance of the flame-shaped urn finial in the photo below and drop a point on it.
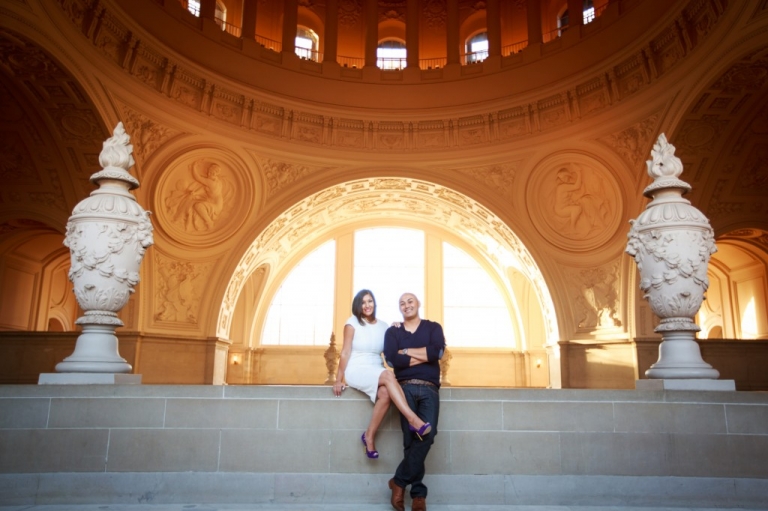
(671, 242)
(107, 235)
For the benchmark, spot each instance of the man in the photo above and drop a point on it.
(414, 349)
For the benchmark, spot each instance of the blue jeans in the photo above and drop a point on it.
(425, 401)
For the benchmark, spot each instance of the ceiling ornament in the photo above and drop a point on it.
(147, 135)
(158, 71)
(279, 174)
(16, 165)
(349, 12)
(499, 177)
(633, 143)
(396, 198)
(435, 13)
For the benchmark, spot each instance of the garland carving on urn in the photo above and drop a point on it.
(671, 242)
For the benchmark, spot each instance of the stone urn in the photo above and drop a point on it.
(671, 242)
(107, 236)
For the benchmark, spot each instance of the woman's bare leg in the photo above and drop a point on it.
(388, 380)
(380, 408)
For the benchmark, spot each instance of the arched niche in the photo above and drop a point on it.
(396, 200)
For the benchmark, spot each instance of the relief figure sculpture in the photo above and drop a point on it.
(197, 203)
(580, 204)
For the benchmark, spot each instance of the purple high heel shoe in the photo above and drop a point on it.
(371, 454)
(422, 431)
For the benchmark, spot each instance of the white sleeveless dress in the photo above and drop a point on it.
(365, 366)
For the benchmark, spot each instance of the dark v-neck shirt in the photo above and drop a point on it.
(427, 335)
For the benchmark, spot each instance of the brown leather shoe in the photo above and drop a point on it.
(419, 504)
(397, 496)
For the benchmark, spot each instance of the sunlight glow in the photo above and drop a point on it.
(389, 262)
(301, 312)
(474, 311)
(749, 321)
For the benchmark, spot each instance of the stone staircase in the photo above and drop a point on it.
(124, 445)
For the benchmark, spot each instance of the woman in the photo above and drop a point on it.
(361, 366)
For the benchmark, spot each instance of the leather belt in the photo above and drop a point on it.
(415, 381)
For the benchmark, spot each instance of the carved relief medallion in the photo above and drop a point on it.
(574, 202)
(203, 198)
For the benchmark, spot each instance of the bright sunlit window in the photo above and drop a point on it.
(301, 312)
(193, 6)
(749, 321)
(474, 311)
(391, 54)
(477, 48)
(389, 262)
(307, 44)
(589, 11)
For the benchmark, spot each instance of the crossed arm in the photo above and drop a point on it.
(418, 355)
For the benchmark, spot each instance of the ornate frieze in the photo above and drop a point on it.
(593, 94)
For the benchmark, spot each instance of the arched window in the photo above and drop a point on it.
(301, 312)
(391, 261)
(477, 48)
(588, 15)
(193, 6)
(307, 44)
(391, 54)
(474, 311)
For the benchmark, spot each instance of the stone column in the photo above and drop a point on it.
(454, 45)
(412, 34)
(107, 235)
(249, 19)
(290, 24)
(331, 31)
(493, 22)
(208, 9)
(534, 22)
(671, 242)
(575, 13)
(371, 32)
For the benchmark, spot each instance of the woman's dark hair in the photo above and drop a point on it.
(357, 305)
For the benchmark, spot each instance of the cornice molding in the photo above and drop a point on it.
(157, 68)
